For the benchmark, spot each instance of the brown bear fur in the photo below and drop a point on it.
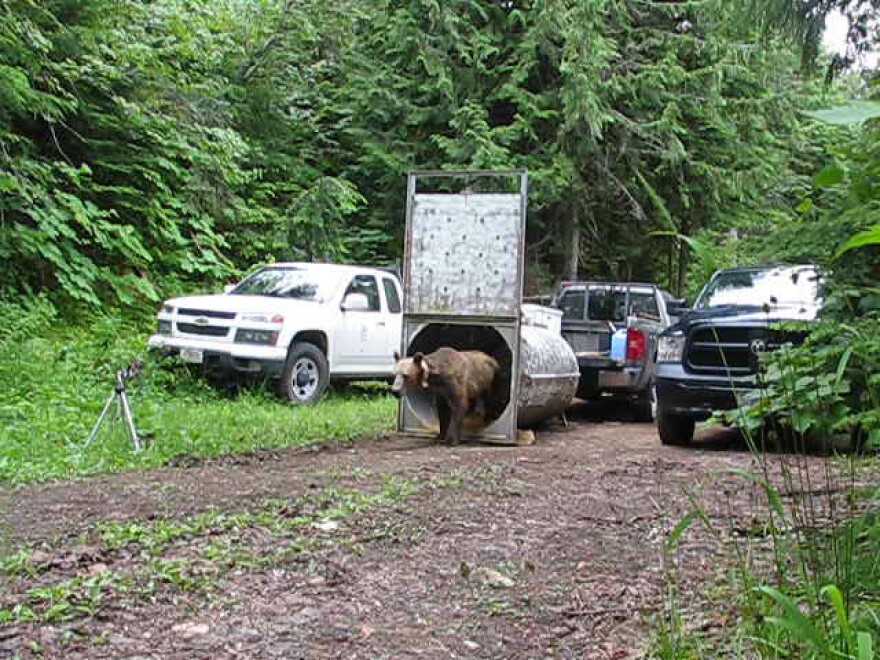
(459, 379)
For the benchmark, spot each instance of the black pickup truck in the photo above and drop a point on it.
(612, 328)
(709, 358)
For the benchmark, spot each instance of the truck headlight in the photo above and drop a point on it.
(167, 309)
(247, 336)
(671, 348)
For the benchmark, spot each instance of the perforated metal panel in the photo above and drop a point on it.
(465, 255)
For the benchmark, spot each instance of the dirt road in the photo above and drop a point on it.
(389, 548)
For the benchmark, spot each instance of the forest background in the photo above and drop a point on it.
(151, 148)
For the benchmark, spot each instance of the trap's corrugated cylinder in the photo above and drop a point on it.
(547, 381)
(548, 375)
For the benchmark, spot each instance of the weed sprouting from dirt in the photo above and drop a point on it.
(63, 601)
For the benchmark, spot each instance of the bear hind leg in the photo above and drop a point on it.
(459, 407)
(444, 414)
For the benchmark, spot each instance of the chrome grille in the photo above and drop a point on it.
(204, 330)
(726, 350)
(184, 311)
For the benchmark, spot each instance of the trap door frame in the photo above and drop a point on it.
(464, 256)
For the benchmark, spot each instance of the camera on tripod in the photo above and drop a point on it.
(130, 372)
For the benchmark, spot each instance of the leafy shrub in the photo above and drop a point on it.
(828, 385)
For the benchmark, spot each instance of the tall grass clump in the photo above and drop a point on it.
(55, 377)
(806, 572)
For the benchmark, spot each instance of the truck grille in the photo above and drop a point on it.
(204, 330)
(726, 351)
(183, 311)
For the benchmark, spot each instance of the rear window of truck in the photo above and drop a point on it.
(605, 303)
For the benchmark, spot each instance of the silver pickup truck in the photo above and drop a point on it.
(612, 328)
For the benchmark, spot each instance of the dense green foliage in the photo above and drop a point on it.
(53, 383)
(147, 147)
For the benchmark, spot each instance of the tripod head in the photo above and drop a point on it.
(129, 372)
(133, 370)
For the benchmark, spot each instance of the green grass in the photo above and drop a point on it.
(55, 378)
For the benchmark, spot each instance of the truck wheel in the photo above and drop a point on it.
(646, 405)
(306, 374)
(674, 429)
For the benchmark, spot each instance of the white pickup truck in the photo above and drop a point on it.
(305, 322)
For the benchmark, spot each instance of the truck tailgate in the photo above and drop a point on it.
(591, 338)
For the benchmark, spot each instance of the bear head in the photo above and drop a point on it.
(410, 372)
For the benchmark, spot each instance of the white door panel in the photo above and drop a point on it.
(362, 335)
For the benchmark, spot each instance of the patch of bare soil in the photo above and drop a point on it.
(392, 548)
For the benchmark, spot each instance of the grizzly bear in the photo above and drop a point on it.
(458, 378)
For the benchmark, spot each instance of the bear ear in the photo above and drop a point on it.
(396, 356)
(417, 358)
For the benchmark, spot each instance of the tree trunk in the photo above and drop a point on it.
(682, 266)
(574, 243)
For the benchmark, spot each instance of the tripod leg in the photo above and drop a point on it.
(100, 419)
(129, 420)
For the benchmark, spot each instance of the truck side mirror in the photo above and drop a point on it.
(355, 302)
(677, 306)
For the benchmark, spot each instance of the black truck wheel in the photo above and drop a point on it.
(646, 405)
(306, 374)
(674, 429)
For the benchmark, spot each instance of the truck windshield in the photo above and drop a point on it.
(287, 282)
(794, 287)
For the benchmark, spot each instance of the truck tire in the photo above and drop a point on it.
(646, 405)
(306, 374)
(674, 429)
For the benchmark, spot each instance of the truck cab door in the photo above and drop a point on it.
(361, 334)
